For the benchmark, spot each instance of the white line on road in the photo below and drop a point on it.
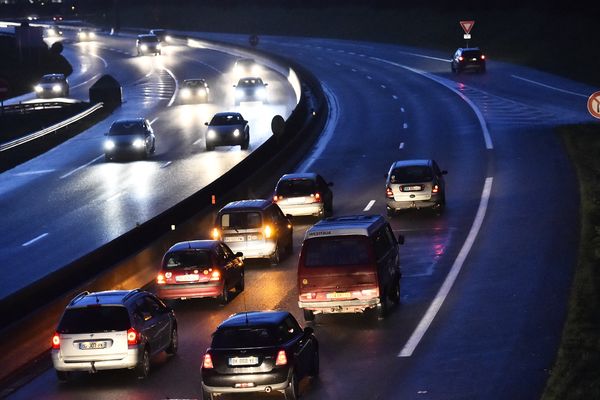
(441, 295)
(165, 165)
(395, 97)
(81, 167)
(41, 171)
(369, 77)
(43, 235)
(368, 207)
(176, 86)
(382, 86)
(401, 145)
(154, 120)
(115, 196)
(405, 125)
(401, 109)
(550, 87)
(354, 70)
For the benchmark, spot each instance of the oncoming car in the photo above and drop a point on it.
(415, 184)
(52, 85)
(162, 35)
(470, 58)
(227, 129)
(250, 89)
(85, 35)
(304, 194)
(134, 137)
(259, 351)
(194, 91)
(147, 44)
(246, 67)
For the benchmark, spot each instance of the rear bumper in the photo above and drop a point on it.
(198, 290)
(253, 250)
(297, 210)
(339, 306)
(129, 361)
(263, 382)
(434, 201)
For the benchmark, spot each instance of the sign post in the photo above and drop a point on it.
(467, 26)
(3, 93)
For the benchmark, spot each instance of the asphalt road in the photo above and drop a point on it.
(498, 262)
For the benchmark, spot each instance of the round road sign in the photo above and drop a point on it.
(593, 105)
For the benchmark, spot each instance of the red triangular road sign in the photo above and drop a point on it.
(467, 26)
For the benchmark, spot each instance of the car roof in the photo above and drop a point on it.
(412, 163)
(254, 318)
(363, 225)
(255, 204)
(194, 245)
(303, 175)
(108, 297)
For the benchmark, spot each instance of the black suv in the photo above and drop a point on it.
(115, 329)
(468, 58)
(259, 351)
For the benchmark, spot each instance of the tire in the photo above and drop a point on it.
(394, 295)
(382, 308)
(390, 212)
(153, 149)
(206, 395)
(210, 147)
(245, 144)
(224, 298)
(276, 257)
(142, 369)
(240, 286)
(309, 315)
(314, 371)
(291, 392)
(107, 157)
(63, 376)
(174, 345)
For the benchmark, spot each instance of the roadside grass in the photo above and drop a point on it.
(576, 374)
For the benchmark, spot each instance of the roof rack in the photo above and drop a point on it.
(78, 297)
(131, 293)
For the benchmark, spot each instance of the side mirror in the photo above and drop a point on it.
(444, 172)
(266, 84)
(239, 254)
(308, 331)
(206, 123)
(400, 239)
(330, 184)
(289, 216)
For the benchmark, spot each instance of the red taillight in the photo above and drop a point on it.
(483, 57)
(133, 337)
(267, 231)
(160, 279)
(215, 276)
(435, 189)
(389, 193)
(56, 341)
(281, 358)
(461, 58)
(207, 362)
(316, 197)
(275, 199)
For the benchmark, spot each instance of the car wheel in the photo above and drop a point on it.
(153, 149)
(276, 256)
(62, 376)
(207, 395)
(291, 392)
(224, 298)
(309, 315)
(245, 144)
(314, 371)
(382, 307)
(240, 286)
(174, 345)
(210, 147)
(390, 212)
(395, 292)
(107, 157)
(142, 369)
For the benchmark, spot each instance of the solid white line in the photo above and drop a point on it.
(176, 86)
(440, 297)
(83, 166)
(550, 87)
(154, 120)
(43, 171)
(43, 235)
(165, 165)
(83, 83)
(198, 141)
(368, 207)
(424, 56)
(401, 145)
(405, 125)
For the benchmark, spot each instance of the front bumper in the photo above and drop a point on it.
(339, 306)
(197, 290)
(129, 361)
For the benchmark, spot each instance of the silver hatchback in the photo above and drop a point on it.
(415, 184)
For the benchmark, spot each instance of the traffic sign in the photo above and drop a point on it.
(467, 26)
(593, 105)
(467, 36)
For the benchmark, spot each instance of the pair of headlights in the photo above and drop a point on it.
(211, 134)
(55, 88)
(137, 143)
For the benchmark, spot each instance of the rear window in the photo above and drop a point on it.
(471, 53)
(94, 319)
(336, 251)
(241, 220)
(244, 337)
(296, 187)
(411, 174)
(188, 259)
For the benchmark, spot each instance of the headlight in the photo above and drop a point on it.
(236, 133)
(167, 38)
(186, 93)
(92, 35)
(144, 47)
(202, 92)
(109, 145)
(51, 32)
(158, 46)
(211, 134)
(81, 34)
(38, 88)
(260, 93)
(239, 93)
(138, 143)
(56, 88)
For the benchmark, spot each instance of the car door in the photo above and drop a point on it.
(156, 324)
(233, 265)
(302, 345)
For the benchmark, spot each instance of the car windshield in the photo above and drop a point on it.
(188, 259)
(193, 84)
(148, 39)
(249, 82)
(296, 187)
(126, 128)
(94, 319)
(243, 337)
(410, 174)
(241, 220)
(336, 251)
(230, 119)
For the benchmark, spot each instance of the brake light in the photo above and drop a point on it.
(267, 231)
(275, 199)
(215, 276)
(160, 279)
(281, 358)
(56, 341)
(435, 189)
(133, 337)
(215, 234)
(207, 362)
(483, 57)
(461, 58)
(316, 197)
(389, 193)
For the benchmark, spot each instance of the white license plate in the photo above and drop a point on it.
(339, 295)
(233, 239)
(296, 200)
(187, 278)
(92, 345)
(414, 188)
(237, 361)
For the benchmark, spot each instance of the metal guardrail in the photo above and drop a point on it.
(50, 129)
(27, 107)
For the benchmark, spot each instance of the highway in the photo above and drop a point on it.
(497, 263)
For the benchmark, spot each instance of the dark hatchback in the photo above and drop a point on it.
(471, 58)
(259, 351)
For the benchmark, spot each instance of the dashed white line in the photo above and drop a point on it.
(395, 97)
(368, 207)
(369, 77)
(81, 167)
(154, 120)
(401, 109)
(405, 125)
(43, 235)
(115, 196)
(382, 86)
(165, 165)
(550, 87)
(441, 295)
(338, 64)
(354, 70)
(401, 145)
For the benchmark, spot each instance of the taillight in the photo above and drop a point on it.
(56, 341)
(133, 337)
(389, 193)
(316, 197)
(267, 231)
(277, 198)
(215, 276)
(207, 362)
(215, 234)
(461, 58)
(483, 57)
(435, 189)
(281, 358)
(160, 279)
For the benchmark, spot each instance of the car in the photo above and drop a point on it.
(349, 264)
(246, 67)
(415, 184)
(227, 129)
(250, 89)
(470, 58)
(257, 228)
(194, 91)
(259, 351)
(52, 85)
(162, 35)
(84, 35)
(129, 137)
(53, 31)
(304, 194)
(148, 44)
(57, 18)
(115, 329)
(200, 268)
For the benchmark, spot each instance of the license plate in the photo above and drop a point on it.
(254, 237)
(233, 239)
(414, 188)
(187, 278)
(237, 361)
(339, 295)
(92, 345)
(296, 200)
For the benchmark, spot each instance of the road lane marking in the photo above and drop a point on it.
(441, 295)
(43, 235)
(176, 86)
(369, 77)
(368, 207)
(550, 87)
(83, 83)
(41, 171)
(114, 196)
(401, 109)
(382, 86)
(154, 120)
(405, 125)
(395, 97)
(401, 145)
(165, 165)
(81, 167)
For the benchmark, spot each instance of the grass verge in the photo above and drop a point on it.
(576, 372)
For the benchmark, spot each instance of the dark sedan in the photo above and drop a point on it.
(250, 89)
(227, 129)
(194, 91)
(259, 351)
(133, 137)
